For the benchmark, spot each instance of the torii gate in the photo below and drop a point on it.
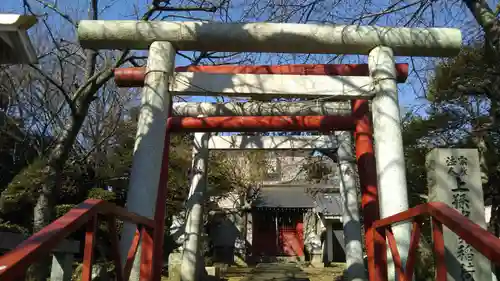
(203, 142)
(264, 117)
(164, 38)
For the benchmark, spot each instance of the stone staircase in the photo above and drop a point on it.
(283, 272)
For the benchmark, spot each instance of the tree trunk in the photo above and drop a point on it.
(488, 21)
(486, 18)
(47, 196)
(43, 210)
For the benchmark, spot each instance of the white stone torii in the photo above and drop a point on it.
(269, 37)
(308, 108)
(271, 142)
(339, 87)
(380, 43)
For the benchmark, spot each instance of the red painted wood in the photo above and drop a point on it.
(365, 160)
(486, 243)
(395, 254)
(88, 252)
(439, 250)
(115, 250)
(264, 237)
(131, 254)
(420, 210)
(296, 69)
(290, 242)
(160, 209)
(260, 123)
(146, 268)
(380, 249)
(134, 76)
(300, 233)
(471, 233)
(412, 252)
(39, 245)
(289, 234)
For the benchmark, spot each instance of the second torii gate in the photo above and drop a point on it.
(305, 116)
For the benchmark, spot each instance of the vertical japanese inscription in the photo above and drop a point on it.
(457, 168)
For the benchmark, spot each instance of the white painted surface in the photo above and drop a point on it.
(193, 109)
(14, 22)
(16, 44)
(269, 37)
(192, 260)
(350, 217)
(271, 142)
(62, 267)
(212, 84)
(389, 154)
(487, 214)
(148, 149)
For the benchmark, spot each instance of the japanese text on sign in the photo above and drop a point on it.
(457, 168)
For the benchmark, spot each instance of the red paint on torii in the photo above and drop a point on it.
(134, 76)
(359, 122)
(261, 124)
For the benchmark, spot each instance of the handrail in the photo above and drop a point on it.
(15, 262)
(483, 241)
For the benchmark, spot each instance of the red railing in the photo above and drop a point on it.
(441, 214)
(13, 265)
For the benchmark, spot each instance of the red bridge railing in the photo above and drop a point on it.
(441, 214)
(13, 265)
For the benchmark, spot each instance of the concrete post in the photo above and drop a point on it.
(301, 108)
(454, 178)
(329, 241)
(192, 261)
(350, 217)
(148, 149)
(389, 148)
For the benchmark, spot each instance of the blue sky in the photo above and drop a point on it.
(442, 13)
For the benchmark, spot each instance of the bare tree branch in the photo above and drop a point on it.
(54, 8)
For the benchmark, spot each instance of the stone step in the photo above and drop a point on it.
(283, 272)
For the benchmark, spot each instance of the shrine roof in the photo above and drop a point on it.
(299, 197)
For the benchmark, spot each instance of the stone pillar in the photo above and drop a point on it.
(350, 217)
(329, 241)
(62, 267)
(249, 230)
(312, 239)
(454, 178)
(149, 143)
(192, 261)
(393, 195)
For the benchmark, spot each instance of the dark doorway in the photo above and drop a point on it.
(277, 233)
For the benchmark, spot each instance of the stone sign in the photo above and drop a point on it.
(453, 177)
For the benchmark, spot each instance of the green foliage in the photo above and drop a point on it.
(61, 210)
(460, 77)
(99, 193)
(16, 149)
(464, 97)
(24, 187)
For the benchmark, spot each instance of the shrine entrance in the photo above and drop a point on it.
(277, 233)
